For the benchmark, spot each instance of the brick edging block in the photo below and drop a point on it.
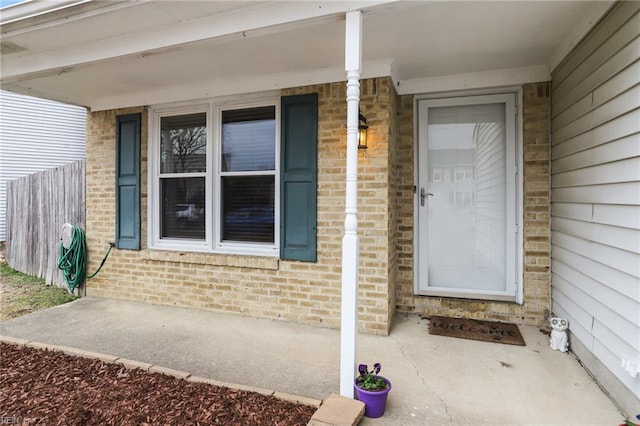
(13, 340)
(298, 399)
(169, 372)
(338, 411)
(131, 364)
(266, 392)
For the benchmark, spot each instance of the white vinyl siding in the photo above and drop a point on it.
(35, 135)
(595, 180)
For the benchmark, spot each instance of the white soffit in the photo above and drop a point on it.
(236, 86)
(148, 27)
(141, 53)
(463, 45)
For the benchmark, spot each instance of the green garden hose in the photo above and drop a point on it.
(72, 260)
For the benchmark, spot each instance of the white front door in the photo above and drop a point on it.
(466, 197)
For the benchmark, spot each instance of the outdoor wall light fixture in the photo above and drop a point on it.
(362, 131)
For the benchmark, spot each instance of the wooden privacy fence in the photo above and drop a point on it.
(37, 207)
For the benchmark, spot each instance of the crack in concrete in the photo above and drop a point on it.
(422, 379)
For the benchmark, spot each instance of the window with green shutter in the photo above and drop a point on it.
(235, 177)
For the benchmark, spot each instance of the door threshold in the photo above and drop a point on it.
(476, 296)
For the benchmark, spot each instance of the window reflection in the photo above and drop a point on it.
(248, 208)
(248, 139)
(183, 143)
(183, 210)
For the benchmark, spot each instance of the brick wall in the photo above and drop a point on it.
(394, 168)
(536, 221)
(261, 286)
(310, 292)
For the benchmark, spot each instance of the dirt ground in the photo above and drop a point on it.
(22, 294)
(52, 388)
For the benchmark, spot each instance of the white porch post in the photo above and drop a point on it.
(350, 244)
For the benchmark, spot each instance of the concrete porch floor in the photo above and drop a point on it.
(436, 380)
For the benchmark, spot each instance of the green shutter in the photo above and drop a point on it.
(128, 181)
(298, 177)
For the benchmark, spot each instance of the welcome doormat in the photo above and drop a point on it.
(486, 331)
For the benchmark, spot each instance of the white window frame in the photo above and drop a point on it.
(212, 242)
(246, 247)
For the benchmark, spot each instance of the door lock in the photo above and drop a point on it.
(423, 195)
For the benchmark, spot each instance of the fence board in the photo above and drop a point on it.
(37, 207)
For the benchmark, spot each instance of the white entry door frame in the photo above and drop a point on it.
(468, 238)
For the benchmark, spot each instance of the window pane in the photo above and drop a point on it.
(248, 139)
(183, 143)
(182, 214)
(247, 208)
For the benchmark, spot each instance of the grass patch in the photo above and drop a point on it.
(21, 294)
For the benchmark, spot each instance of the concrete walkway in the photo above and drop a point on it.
(436, 380)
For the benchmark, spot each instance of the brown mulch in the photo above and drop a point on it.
(52, 388)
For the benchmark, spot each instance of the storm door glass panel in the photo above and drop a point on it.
(247, 175)
(183, 209)
(467, 195)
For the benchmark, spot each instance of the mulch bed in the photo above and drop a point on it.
(52, 388)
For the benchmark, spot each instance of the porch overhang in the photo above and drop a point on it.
(106, 55)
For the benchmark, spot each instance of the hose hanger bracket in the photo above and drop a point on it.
(67, 231)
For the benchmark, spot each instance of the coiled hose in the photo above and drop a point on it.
(72, 260)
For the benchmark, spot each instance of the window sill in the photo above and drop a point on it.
(233, 260)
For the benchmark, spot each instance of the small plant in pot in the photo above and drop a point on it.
(372, 389)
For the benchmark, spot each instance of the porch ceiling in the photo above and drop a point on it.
(119, 53)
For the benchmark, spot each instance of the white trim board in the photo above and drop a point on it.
(480, 80)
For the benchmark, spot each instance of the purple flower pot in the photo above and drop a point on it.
(374, 402)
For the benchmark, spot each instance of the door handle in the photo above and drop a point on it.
(423, 195)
